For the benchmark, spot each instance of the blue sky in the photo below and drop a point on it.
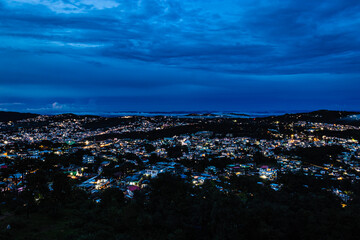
(159, 55)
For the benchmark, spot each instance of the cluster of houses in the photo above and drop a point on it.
(198, 146)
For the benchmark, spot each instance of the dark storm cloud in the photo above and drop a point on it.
(90, 49)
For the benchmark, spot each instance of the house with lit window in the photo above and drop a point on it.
(268, 173)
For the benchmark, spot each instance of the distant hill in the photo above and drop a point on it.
(15, 116)
(318, 116)
(64, 116)
(239, 114)
(352, 118)
(200, 115)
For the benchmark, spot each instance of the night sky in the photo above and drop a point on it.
(173, 55)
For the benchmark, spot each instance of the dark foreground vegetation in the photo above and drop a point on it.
(171, 208)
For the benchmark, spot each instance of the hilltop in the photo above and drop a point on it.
(15, 116)
(319, 116)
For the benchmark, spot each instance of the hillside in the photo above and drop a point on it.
(15, 116)
(325, 116)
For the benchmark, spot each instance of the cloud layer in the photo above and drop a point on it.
(92, 51)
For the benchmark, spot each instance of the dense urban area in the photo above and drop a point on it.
(199, 176)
